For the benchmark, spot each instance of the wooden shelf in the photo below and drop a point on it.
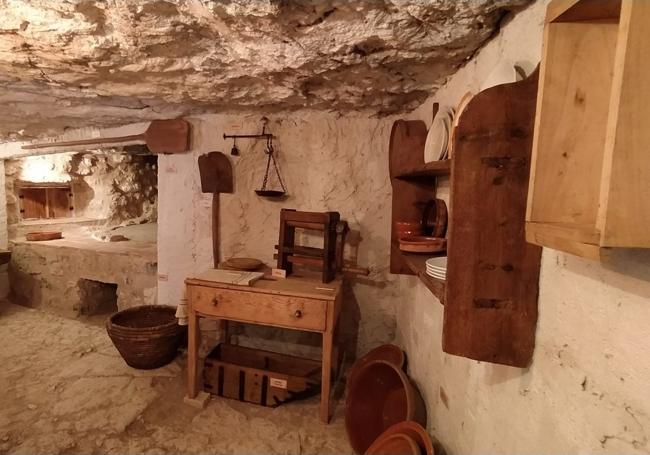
(416, 262)
(426, 170)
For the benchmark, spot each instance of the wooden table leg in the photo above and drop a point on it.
(227, 332)
(328, 337)
(193, 340)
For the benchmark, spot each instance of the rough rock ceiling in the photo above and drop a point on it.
(79, 63)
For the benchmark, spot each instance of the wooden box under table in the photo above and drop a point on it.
(258, 376)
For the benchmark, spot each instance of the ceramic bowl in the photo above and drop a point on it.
(380, 396)
(387, 352)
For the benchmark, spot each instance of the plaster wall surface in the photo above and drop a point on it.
(4, 236)
(587, 388)
(327, 163)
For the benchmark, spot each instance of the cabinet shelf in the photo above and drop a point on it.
(426, 170)
(417, 264)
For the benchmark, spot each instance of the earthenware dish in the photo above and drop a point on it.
(380, 396)
(421, 244)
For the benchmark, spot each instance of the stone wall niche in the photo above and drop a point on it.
(95, 190)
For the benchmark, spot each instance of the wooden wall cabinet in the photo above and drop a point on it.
(590, 177)
(490, 296)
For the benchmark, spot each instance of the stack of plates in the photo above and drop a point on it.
(437, 267)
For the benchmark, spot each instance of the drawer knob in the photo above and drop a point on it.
(298, 314)
(215, 302)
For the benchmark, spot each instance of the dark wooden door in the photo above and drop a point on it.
(42, 202)
(58, 202)
(34, 203)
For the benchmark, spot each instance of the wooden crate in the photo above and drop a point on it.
(590, 177)
(258, 376)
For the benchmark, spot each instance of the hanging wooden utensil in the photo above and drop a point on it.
(264, 192)
(162, 136)
(216, 177)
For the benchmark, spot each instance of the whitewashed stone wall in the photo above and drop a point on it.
(4, 234)
(587, 390)
(328, 163)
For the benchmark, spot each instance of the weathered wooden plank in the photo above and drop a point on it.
(492, 276)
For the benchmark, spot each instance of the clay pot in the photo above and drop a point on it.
(380, 396)
(394, 444)
(411, 429)
(408, 228)
(422, 244)
(408, 234)
(387, 352)
(42, 236)
(409, 225)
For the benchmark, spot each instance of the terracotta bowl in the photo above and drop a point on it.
(422, 244)
(387, 352)
(394, 444)
(381, 395)
(408, 228)
(401, 234)
(408, 225)
(42, 236)
(413, 430)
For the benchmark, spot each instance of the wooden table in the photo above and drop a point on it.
(299, 302)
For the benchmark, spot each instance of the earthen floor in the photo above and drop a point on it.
(65, 389)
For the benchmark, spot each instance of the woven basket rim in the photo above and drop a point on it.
(110, 325)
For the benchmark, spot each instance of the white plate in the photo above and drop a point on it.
(449, 125)
(436, 269)
(440, 261)
(437, 137)
(438, 275)
(443, 278)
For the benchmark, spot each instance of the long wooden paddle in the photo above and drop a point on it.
(216, 177)
(162, 136)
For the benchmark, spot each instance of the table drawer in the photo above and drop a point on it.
(259, 308)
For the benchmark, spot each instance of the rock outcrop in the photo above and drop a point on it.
(86, 63)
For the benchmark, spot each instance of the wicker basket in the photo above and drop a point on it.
(147, 336)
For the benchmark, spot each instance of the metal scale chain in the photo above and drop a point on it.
(270, 152)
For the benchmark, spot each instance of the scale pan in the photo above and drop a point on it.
(270, 193)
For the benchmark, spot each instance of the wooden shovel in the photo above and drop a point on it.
(162, 136)
(216, 177)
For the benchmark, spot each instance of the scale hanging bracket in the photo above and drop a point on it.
(270, 153)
